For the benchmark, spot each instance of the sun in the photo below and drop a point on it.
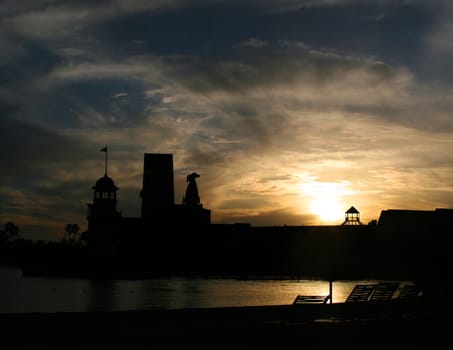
(327, 208)
(326, 200)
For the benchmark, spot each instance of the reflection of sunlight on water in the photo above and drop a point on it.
(31, 294)
(187, 293)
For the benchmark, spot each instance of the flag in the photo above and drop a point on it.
(104, 149)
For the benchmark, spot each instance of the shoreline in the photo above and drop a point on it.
(282, 324)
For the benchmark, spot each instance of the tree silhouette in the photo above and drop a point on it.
(10, 231)
(71, 232)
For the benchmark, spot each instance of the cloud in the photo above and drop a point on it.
(238, 104)
(258, 116)
(29, 149)
(42, 177)
(253, 42)
(284, 216)
(268, 87)
(55, 21)
(10, 49)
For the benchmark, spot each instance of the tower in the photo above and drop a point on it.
(104, 198)
(103, 217)
(352, 217)
(158, 191)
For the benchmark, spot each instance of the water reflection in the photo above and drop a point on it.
(101, 295)
(28, 294)
(187, 293)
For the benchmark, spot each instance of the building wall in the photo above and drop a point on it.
(158, 191)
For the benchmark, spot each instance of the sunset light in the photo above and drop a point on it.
(327, 200)
(328, 209)
(291, 111)
(264, 161)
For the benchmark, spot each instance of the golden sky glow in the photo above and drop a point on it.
(326, 200)
(290, 117)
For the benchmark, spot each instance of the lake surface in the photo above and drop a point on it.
(19, 294)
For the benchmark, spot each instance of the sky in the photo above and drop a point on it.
(291, 111)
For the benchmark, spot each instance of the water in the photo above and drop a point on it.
(20, 294)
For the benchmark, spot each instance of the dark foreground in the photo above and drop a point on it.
(314, 326)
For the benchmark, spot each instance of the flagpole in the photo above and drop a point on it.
(105, 160)
(105, 150)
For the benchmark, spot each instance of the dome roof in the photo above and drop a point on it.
(105, 184)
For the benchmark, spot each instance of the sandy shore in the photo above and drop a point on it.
(238, 327)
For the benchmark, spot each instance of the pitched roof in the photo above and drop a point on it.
(352, 210)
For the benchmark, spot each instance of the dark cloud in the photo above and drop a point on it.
(270, 68)
(34, 193)
(270, 217)
(249, 93)
(27, 150)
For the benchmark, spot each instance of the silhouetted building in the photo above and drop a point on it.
(158, 205)
(103, 218)
(422, 237)
(179, 238)
(161, 221)
(415, 224)
(158, 191)
(352, 217)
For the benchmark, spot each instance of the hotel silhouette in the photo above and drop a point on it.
(171, 238)
(108, 231)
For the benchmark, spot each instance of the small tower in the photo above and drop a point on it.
(158, 197)
(352, 217)
(103, 218)
(104, 198)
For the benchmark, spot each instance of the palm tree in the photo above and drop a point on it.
(71, 230)
(9, 232)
